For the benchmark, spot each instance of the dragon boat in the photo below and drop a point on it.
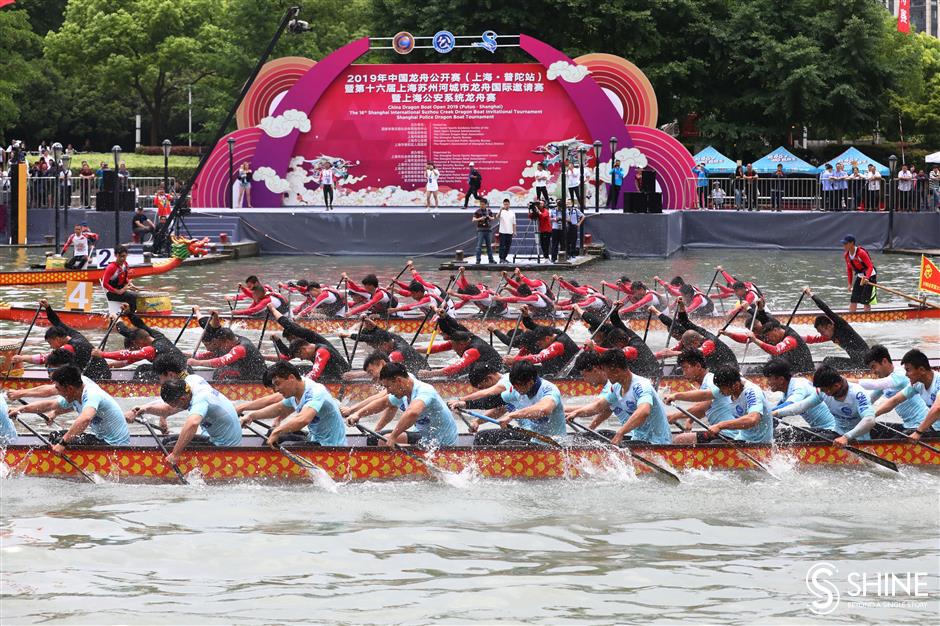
(91, 321)
(142, 461)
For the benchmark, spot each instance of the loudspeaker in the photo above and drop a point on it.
(649, 181)
(634, 202)
(109, 180)
(654, 202)
(104, 201)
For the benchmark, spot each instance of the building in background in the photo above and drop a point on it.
(925, 15)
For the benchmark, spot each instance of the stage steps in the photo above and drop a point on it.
(212, 226)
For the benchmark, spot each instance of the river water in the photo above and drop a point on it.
(719, 548)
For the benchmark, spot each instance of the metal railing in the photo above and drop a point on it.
(46, 192)
(807, 194)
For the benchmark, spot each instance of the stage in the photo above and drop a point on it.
(415, 231)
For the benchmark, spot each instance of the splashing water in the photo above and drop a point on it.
(323, 480)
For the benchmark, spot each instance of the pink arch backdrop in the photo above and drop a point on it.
(297, 116)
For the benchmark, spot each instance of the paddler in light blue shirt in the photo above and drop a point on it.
(629, 397)
(97, 412)
(208, 409)
(304, 403)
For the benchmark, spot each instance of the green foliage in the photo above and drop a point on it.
(151, 48)
(749, 71)
(18, 46)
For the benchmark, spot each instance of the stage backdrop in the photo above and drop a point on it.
(378, 126)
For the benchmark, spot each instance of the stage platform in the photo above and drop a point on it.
(415, 231)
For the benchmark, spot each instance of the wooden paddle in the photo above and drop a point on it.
(868, 456)
(793, 313)
(493, 300)
(522, 431)
(48, 444)
(421, 326)
(660, 471)
(306, 464)
(264, 327)
(751, 329)
(432, 468)
(515, 331)
(392, 284)
(185, 326)
(712, 284)
(233, 304)
(153, 433)
(736, 445)
(921, 301)
(6, 376)
(906, 436)
(356, 342)
(570, 365)
(646, 331)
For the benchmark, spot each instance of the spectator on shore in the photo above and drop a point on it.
(840, 187)
(856, 185)
(431, 175)
(483, 218)
(542, 176)
(507, 228)
(474, 182)
(701, 185)
(921, 193)
(616, 182)
(557, 231)
(776, 188)
(750, 178)
(163, 203)
(576, 218)
(86, 180)
(65, 184)
(825, 182)
(873, 184)
(124, 177)
(905, 188)
(141, 225)
(738, 188)
(99, 175)
(718, 196)
(934, 183)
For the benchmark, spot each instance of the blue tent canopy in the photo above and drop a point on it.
(854, 157)
(791, 163)
(715, 162)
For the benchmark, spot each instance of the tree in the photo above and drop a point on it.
(18, 46)
(151, 48)
(919, 104)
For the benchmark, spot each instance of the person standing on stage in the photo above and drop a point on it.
(483, 218)
(116, 281)
(507, 228)
(538, 211)
(573, 182)
(616, 182)
(858, 265)
(326, 182)
(474, 182)
(542, 175)
(701, 185)
(431, 174)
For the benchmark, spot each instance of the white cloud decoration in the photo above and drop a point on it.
(568, 72)
(273, 182)
(282, 125)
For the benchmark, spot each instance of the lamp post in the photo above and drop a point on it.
(167, 146)
(597, 175)
(116, 152)
(563, 245)
(66, 190)
(581, 151)
(892, 167)
(613, 151)
(56, 154)
(231, 169)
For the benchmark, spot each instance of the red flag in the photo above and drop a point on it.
(904, 16)
(929, 276)
(3, 3)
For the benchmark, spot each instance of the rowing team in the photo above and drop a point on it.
(349, 298)
(521, 402)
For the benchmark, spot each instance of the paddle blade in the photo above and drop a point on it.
(873, 458)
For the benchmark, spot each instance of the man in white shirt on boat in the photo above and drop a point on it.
(925, 382)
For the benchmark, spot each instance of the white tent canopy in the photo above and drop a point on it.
(933, 158)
